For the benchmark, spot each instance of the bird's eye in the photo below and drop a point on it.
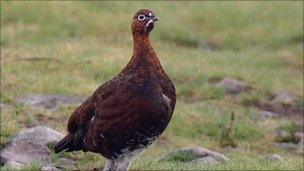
(141, 17)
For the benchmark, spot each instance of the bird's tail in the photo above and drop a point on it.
(65, 143)
(71, 142)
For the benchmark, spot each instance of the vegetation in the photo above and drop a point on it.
(73, 47)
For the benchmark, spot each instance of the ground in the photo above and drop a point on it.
(70, 48)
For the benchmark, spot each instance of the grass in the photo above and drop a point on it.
(83, 44)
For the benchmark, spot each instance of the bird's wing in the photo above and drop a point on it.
(168, 89)
(81, 114)
(84, 113)
(135, 104)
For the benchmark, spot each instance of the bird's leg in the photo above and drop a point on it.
(120, 164)
(123, 162)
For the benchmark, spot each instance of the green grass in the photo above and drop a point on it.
(84, 44)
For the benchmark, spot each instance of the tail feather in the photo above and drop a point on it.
(71, 142)
(65, 143)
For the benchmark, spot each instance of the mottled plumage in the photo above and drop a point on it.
(127, 113)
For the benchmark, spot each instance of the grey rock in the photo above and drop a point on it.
(281, 134)
(5, 106)
(204, 160)
(190, 154)
(300, 135)
(30, 145)
(50, 168)
(50, 101)
(300, 149)
(266, 114)
(13, 165)
(284, 98)
(287, 146)
(274, 158)
(232, 86)
(66, 164)
(38, 135)
(26, 152)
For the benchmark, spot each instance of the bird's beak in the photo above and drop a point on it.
(151, 19)
(154, 18)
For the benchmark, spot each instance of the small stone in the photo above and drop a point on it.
(13, 165)
(282, 134)
(25, 152)
(190, 154)
(50, 168)
(232, 86)
(287, 146)
(300, 149)
(284, 98)
(286, 137)
(274, 158)
(50, 101)
(204, 160)
(38, 135)
(5, 106)
(30, 145)
(66, 164)
(266, 114)
(299, 135)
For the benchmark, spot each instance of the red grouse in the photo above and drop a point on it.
(126, 114)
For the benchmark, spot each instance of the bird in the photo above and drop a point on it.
(127, 113)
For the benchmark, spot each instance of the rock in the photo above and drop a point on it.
(282, 135)
(287, 146)
(300, 135)
(50, 101)
(190, 154)
(297, 140)
(284, 98)
(50, 168)
(13, 165)
(38, 135)
(232, 86)
(274, 158)
(286, 137)
(26, 152)
(204, 160)
(66, 164)
(266, 114)
(30, 145)
(5, 106)
(300, 149)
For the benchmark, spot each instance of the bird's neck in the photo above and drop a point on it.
(144, 55)
(142, 47)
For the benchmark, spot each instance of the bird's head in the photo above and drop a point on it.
(143, 22)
